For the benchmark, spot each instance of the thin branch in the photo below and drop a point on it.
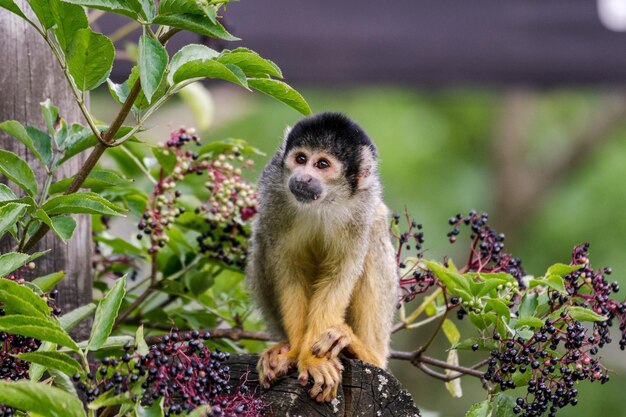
(416, 358)
(141, 166)
(105, 139)
(235, 334)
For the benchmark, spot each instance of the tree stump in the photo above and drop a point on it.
(365, 391)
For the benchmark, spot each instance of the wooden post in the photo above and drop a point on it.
(29, 74)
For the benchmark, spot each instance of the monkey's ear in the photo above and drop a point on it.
(286, 132)
(367, 168)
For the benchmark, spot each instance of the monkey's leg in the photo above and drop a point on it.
(335, 339)
(280, 358)
(327, 309)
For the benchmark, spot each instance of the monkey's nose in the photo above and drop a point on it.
(305, 188)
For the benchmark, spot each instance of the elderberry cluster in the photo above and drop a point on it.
(178, 369)
(413, 281)
(231, 200)
(11, 367)
(486, 253)
(590, 288)
(562, 351)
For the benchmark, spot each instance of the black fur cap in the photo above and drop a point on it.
(336, 134)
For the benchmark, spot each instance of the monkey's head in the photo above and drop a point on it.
(328, 157)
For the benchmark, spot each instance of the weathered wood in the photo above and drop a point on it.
(365, 391)
(28, 76)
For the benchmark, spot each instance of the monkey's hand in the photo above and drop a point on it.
(332, 342)
(275, 362)
(325, 373)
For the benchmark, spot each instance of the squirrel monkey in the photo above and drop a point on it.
(322, 265)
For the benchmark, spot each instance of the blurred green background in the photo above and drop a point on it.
(547, 166)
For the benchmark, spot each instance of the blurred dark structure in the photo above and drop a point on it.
(431, 42)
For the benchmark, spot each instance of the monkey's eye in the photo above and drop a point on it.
(323, 164)
(301, 159)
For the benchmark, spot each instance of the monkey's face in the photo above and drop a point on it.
(311, 173)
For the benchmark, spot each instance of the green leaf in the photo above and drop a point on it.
(165, 158)
(528, 305)
(483, 320)
(199, 281)
(155, 410)
(69, 18)
(48, 282)
(170, 7)
(122, 7)
(9, 262)
(37, 328)
(482, 409)
(63, 226)
(18, 171)
(60, 380)
(505, 404)
(451, 331)
(488, 286)
(90, 58)
(18, 131)
(50, 114)
(450, 279)
(109, 398)
(53, 360)
(499, 307)
(197, 61)
(453, 386)
(196, 23)
(106, 313)
(585, 314)
(70, 320)
(110, 342)
(140, 342)
(250, 63)
(152, 63)
(12, 7)
(98, 179)
(189, 53)
(43, 13)
(9, 215)
(35, 371)
(41, 399)
(201, 411)
(281, 91)
(483, 344)
(555, 282)
(81, 202)
(529, 321)
(145, 8)
(119, 92)
(6, 194)
(562, 269)
(120, 246)
(18, 299)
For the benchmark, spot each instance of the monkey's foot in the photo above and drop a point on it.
(274, 363)
(332, 342)
(326, 376)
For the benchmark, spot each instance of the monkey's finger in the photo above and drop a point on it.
(303, 378)
(318, 379)
(286, 347)
(339, 345)
(329, 383)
